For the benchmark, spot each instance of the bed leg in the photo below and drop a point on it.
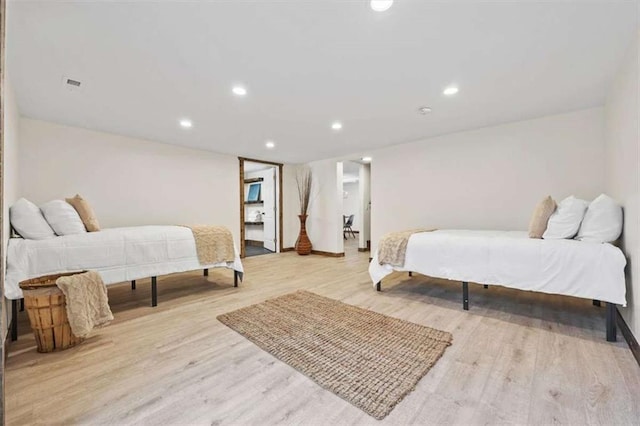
(486, 286)
(22, 305)
(465, 295)
(14, 320)
(205, 272)
(379, 286)
(410, 273)
(235, 278)
(596, 302)
(133, 284)
(611, 322)
(154, 291)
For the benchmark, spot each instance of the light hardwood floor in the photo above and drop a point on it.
(517, 357)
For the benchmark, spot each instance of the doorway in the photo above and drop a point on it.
(260, 207)
(356, 205)
(351, 219)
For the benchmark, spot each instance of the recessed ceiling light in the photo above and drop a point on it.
(381, 5)
(451, 90)
(424, 110)
(186, 123)
(336, 125)
(366, 159)
(270, 144)
(239, 90)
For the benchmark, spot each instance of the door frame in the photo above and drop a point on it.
(241, 161)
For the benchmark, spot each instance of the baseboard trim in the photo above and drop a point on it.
(629, 337)
(318, 252)
(254, 243)
(327, 253)
(362, 250)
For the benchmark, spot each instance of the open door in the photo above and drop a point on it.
(269, 217)
(261, 235)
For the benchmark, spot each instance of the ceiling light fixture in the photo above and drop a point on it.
(336, 125)
(186, 123)
(381, 5)
(424, 110)
(451, 90)
(239, 90)
(366, 159)
(270, 144)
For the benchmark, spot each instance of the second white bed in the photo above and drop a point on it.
(512, 259)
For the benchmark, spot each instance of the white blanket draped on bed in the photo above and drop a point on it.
(568, 267)
(118, 254)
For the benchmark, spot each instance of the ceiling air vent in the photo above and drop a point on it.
(71, 84)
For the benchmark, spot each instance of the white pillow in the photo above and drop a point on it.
(603, 221)
(566, 220)
(26, 218)
(63, 218)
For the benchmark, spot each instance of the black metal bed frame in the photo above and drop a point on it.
(154, 300)
(612, 330)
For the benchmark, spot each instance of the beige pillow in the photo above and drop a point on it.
(86, 213)
(540, 218)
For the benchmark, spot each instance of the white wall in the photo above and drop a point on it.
(324, 224)
(11, 134)
(351, 203)
(622, 177)
(128, 181)
(10, 190)
(489, 178)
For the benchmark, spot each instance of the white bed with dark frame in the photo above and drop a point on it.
(567, 267)
(118, 254)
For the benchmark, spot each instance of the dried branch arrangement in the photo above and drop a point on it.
(304, 179)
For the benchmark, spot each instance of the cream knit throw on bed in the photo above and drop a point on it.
(214, 244)
(87, 302)
(392, 248)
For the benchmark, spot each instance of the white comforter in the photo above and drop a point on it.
(511, 259)
(118, 254)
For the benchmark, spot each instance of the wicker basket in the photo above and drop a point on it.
(46, 305)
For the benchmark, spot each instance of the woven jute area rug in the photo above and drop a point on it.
(369, 359)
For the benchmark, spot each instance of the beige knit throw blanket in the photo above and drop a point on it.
(214, 244)
(87, 302)
(392, 248)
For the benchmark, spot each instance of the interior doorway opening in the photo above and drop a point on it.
(260, 207)
(356, 205)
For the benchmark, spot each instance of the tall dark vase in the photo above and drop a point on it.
(303, 245)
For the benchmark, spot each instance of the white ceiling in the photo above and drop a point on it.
(145, 65)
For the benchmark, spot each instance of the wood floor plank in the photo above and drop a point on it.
(557, 391)
(516, 357)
